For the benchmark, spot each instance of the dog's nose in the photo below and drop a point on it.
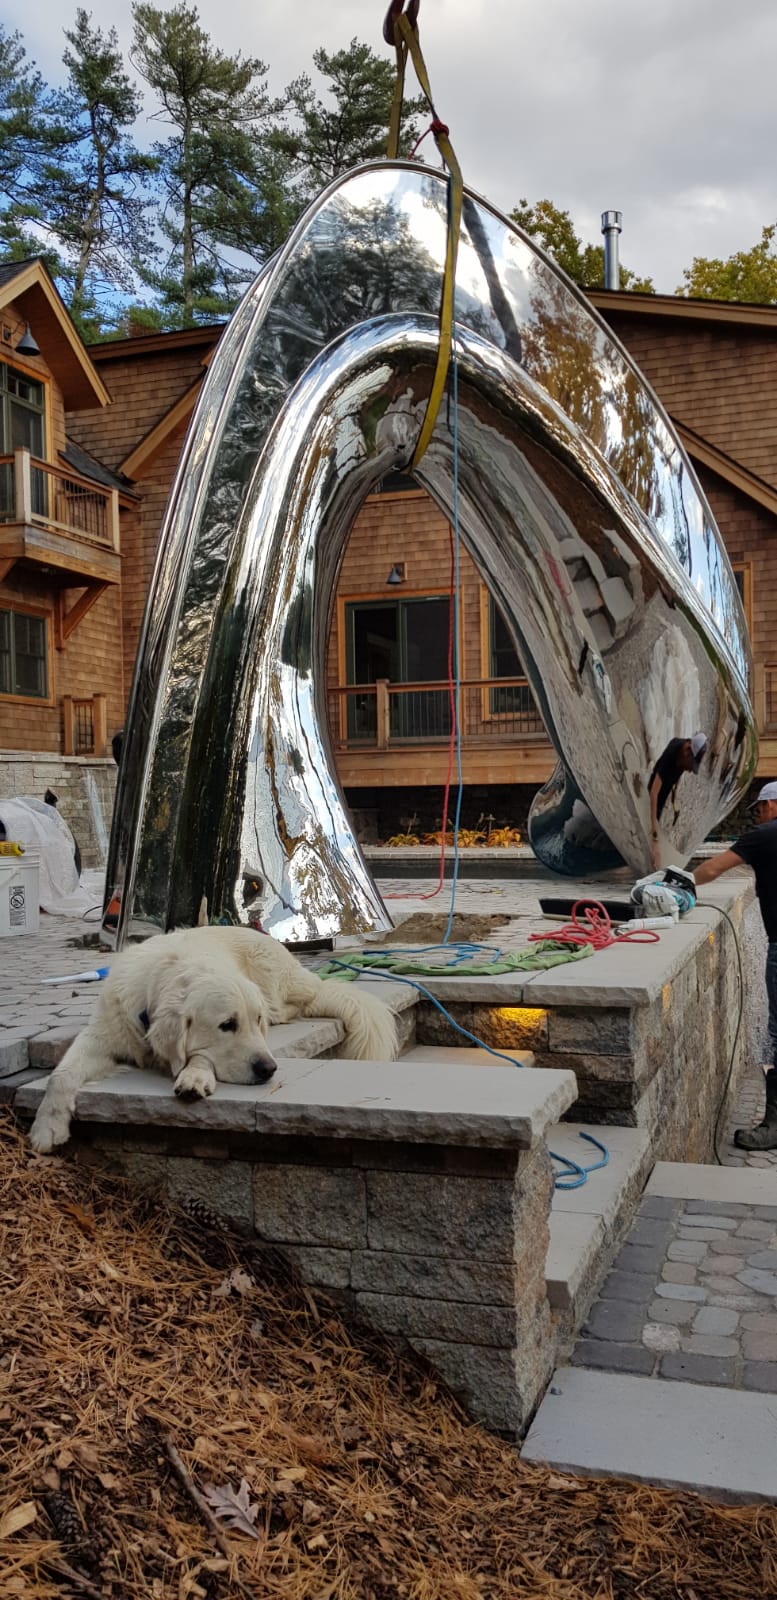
(263, 1069)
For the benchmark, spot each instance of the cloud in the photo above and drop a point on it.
(666, 112)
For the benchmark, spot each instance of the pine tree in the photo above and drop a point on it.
(28, 132)
(210, 167)
(326, 137)
(91, 192)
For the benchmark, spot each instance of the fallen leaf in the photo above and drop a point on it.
(64, 1459)
(18, 1517)
(292, 1474)
(236, 1509)
(256, 1329)
(108, 1480)
(51, 1478)
(5, 1413)
(80, 1216)
(317, 1543)
(396, 1449)
(109, 1271)
(86, 1455)
(311, 1512)
(239, 1281)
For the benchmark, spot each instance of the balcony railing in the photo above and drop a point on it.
(383, 714)
(38, 494)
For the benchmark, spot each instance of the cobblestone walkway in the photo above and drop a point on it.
(748, 1110)
(692, 1295)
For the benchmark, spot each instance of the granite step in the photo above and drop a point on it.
(588, 1224)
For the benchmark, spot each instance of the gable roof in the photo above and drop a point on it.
(27, 286)
(89, 466)
(678, 306)
(708, 455)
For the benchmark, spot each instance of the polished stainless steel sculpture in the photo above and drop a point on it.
(575, 499)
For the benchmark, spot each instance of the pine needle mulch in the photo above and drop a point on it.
(129, 1333)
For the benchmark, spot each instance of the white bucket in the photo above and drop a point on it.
(19, 895)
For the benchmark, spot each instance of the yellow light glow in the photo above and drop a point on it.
(526, 1016)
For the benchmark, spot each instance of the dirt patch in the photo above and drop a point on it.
(431, 929)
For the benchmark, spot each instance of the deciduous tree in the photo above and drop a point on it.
(555, 231)
(749, 275)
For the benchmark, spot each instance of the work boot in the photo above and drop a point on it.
(764, 1137)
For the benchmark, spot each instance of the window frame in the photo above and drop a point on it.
(488, 609)
(18, 608)
(746, 594)
(7, 399)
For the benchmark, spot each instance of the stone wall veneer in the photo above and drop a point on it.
(443, 1248)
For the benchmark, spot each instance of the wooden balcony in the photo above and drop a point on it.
(54, 517)
(398, 734)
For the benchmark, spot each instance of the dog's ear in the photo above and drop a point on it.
(168, 1025)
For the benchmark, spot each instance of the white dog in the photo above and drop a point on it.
(199, 1002)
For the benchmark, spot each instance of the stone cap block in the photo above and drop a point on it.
(435, 1104)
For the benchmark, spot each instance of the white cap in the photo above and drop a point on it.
(768, 792)
(698, 747)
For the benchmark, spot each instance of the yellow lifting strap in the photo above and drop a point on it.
(400, 28)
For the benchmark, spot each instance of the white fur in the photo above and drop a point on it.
(188, 984)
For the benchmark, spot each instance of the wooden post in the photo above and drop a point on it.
(382, 714)
(22, 485)
(68, 725)
(113, 520)
(99, 724)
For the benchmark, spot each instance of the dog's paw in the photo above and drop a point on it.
(195, 1082)
(49, 1129)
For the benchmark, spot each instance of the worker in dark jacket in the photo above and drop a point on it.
(758, 849)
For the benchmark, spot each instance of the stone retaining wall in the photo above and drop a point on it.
(84, 785)
(443, 1246)
(662, 1066)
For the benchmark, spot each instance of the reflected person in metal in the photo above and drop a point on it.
(575, 499)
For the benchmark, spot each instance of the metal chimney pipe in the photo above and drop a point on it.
(611, 227)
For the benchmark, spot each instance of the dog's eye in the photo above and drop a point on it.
(230, 1026)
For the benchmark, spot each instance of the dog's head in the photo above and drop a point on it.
(218, 1017)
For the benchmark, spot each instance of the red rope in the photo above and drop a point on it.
(594, 927)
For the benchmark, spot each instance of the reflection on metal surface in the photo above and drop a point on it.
(576, 501)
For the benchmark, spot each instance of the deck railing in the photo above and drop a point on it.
(38, 494)
(387, 714)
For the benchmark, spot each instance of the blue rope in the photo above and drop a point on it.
(393, 977)
(576, 1175)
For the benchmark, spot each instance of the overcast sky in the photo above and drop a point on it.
(666, 111)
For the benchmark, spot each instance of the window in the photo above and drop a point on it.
(24, 655)
(404, 641)
(743, 574)
(22, 426)
(514, 704)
